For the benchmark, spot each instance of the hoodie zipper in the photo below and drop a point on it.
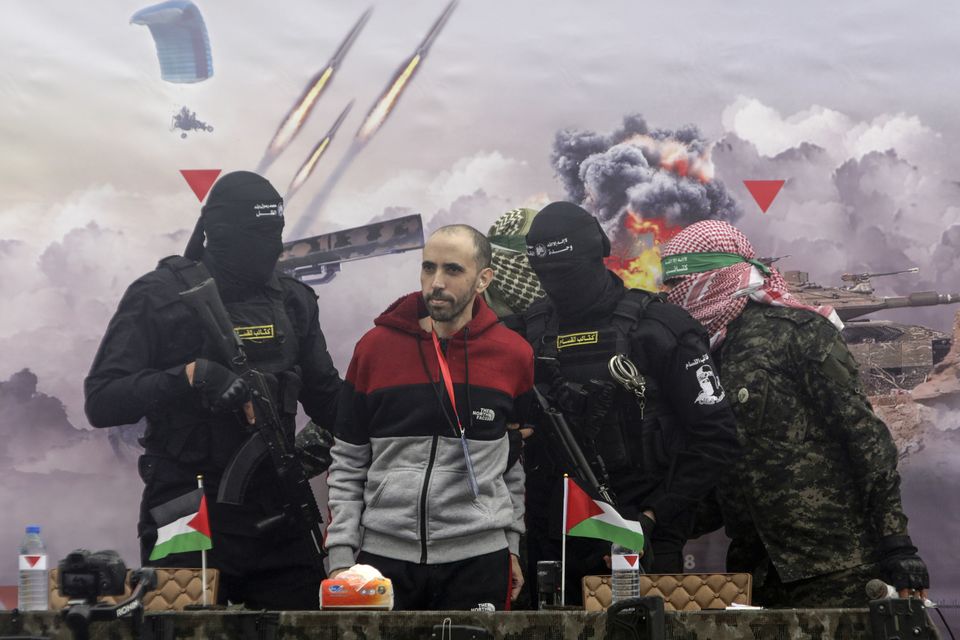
(423, 500)
(430, 461)
(434, 444)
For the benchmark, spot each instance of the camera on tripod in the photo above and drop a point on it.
(87, 576)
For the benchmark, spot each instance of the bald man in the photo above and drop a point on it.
(421, 453)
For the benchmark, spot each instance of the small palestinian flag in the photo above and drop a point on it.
(182, 524)
(586, 517)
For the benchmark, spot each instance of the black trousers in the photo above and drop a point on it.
(262, 573)
(451, 586)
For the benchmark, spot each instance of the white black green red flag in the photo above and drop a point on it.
(588, 517)
(182, 524)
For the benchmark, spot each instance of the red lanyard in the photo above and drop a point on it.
(448, 382)
(447, 378)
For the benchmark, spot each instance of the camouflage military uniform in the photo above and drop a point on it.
(817, 486)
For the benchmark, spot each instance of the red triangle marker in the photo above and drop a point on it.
(33, 560)
(763, 191)
(200, 180)
(631, 559)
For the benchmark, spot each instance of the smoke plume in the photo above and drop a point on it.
(655, 174)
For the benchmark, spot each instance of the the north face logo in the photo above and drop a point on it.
(487, 415)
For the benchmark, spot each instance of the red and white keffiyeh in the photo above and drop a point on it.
(717, 297)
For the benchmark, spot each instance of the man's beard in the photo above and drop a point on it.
(446, 314)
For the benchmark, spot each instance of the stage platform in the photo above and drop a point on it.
(782, 624)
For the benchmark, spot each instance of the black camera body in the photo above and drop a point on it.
(87, 576)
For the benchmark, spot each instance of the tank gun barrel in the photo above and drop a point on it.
(864, 277)
(918, 299)
(922, 299)
(769, 260)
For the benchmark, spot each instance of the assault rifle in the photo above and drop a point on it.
(267, 436)
(574, 460)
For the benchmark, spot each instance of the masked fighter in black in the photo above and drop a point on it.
(153, 362)
(664, 448)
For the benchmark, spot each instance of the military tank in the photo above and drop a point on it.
(891, 355)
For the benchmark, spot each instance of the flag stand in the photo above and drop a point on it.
(203, 559)
(563, 545)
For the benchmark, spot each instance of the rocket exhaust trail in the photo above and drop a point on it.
(378, 114)
(388, 99)
(298, 114)
(315, 154)
(306, 219)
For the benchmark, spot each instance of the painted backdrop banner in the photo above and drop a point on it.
(651, 114)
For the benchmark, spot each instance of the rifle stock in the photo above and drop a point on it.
(299, 504)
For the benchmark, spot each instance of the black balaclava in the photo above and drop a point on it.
(243, 224)
(566, 247)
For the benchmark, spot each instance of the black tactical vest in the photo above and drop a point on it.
(636, 434)
(270, 341)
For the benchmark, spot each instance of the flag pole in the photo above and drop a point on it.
(563, 544)
(203, 558)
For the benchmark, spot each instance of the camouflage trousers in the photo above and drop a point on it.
(845, 588)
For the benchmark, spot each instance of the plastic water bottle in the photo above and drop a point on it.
(33, 590)
(625, 572)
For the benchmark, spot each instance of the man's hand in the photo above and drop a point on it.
(902, 567)
(525, 432)
(221, 389)
(313, 444)
(516, 577)
(913, 593)
(336, 572)
(647, 522)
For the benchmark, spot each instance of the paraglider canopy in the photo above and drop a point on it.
(180, 34)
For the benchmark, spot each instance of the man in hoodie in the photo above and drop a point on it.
(420, 460)
(813, 506)
(153, 361)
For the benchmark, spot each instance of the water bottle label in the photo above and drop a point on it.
(38, 562)
(628, 562)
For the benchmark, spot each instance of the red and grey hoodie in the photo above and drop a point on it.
(398, 483)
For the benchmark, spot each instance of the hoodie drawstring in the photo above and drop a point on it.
(466, 376)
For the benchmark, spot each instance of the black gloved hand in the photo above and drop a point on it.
(900, 565)
(313, 444)
(648, 525)
(220, 389)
